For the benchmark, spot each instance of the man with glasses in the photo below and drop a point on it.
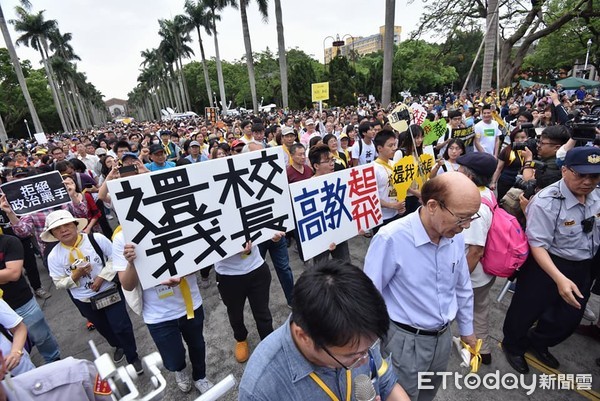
(418, 264)
(331, 337)
(322, 163)
(563, 228)
(550, 141)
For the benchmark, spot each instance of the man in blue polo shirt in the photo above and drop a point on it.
(159, 159)
(338, 318)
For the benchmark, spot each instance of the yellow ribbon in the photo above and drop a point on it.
(336, 156)
(1, 293)
(117, 230)
(328, 391)
(187, 298)
(167, 149)
(74, 248)
(476, 359)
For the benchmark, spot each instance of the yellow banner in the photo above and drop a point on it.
(320, 91)
(409, 174)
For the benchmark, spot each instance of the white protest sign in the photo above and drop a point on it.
(335, 207)
(185, 218)
(41, 138)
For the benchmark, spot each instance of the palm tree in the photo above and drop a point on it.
(282, 59)
(263, 8)
(215, 6)
(197, 18)
(35, 31)
(388, 52)
(490, 45)
(19, 72)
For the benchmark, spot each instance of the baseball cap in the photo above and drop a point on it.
(20, 171)
(287, 131)
(128, 154)
(155, 148)
(482, 164)
(237, 142)
(195, 143)
(309, 121)
(584, 159)
(100, 151)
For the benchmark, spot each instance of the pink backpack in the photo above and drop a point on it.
(506, 247)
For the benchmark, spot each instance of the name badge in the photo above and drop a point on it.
(570, 223)
(164, 291)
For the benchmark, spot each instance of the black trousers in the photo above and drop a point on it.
(253, 286)
(536, 298)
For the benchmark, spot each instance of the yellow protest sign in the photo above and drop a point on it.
(320, 91)
(409, 174)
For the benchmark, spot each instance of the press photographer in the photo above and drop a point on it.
(550, 141)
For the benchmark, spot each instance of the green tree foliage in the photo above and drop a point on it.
(418, 67)
(12, 103)
(342, 82)
(459, 51)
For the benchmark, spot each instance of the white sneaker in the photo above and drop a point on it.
(588, 314)
(183, 381)
(203, 385)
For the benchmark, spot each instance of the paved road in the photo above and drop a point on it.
(577, 355)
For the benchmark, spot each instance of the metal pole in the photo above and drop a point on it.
(28, 131)
(587, 56)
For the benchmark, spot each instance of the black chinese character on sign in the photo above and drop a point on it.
(334, 195)
(233, 182)
(267, 183)
(311, 223)
(177, 196)
(257, 216)
(398, 176)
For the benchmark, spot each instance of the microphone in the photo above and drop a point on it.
(363, 388)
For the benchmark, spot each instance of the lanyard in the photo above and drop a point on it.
(328, 391)
(386, 165)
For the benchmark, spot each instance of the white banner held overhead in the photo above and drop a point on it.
(186, 218)
(335, 207)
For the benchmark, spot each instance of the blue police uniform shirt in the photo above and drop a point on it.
(554, 222)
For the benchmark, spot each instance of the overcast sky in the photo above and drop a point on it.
(108, 35)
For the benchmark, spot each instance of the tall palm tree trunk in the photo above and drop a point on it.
(3, 135)
(388, 52)
(186, 95)
(54, 88)
(249, 58)
(19, 73)
(282, 59)
(205, 69)
(69, 109)
(77, 104)
(490, 45)
(219, 70)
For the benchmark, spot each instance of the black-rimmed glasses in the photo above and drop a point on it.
(358, 361)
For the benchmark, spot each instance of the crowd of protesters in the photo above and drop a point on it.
(314, 144)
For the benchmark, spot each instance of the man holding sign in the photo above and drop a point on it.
(385, 142)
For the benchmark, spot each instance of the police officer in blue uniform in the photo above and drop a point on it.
(563, 229)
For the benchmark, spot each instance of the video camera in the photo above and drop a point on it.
(583, 127)
(530, 143)
(528, 187)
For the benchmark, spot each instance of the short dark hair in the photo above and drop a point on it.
(121, 144)
(382, 137)
(315, 153)
(295, 147)
(244, 123)
(258, 127)
(328, 137)
(454, 113)
(364, 127)
(486, 106)
(556, 133)
(335, 303)
(451, 142)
